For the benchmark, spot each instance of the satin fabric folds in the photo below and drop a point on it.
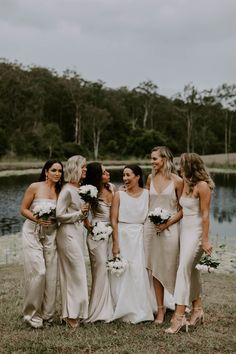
(188, 285)
(131, 291)
(100, 303)
(70, 243)
(162, 250)
(40, 269)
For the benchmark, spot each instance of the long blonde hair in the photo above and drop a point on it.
(169, 166)
(73, 168)
(194, 170)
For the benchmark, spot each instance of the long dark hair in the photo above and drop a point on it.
(94, 175)
(136, 169)
(48, 164)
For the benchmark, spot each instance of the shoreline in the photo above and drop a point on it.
(32, 171)
(11, 253)
(217, 163)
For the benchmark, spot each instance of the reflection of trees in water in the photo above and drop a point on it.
(223, 199)
(223, 215)
(8, 225)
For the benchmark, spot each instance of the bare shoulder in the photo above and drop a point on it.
(203, 187)
(34, 187)
(112, 187)
(148, 182)
(116, 195)
(176, 179)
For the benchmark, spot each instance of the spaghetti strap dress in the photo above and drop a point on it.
(188, 285)
(162, 249)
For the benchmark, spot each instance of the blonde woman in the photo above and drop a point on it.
(195, 201)
(161, 242)
(39, 246)
(71, 212)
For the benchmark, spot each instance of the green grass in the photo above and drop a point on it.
(216, 336)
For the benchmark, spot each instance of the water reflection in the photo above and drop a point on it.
(223, 201)
(11, 193)
(223, 209)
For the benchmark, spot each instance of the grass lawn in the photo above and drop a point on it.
(216, 336)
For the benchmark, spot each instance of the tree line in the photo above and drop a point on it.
(47, 115)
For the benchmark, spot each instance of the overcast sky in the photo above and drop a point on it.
(125, 42)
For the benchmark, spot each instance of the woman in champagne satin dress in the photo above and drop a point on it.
(100, 303)
(39, 246)
(195, 201)
(161, 242)
(71, 212)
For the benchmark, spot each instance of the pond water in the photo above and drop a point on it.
(223, 207)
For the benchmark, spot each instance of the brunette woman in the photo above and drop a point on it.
(39, 245)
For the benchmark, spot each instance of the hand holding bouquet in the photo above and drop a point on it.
(45, 211)
(46, 216)
(101, 231)
(117, 266)
(89, 194)
(159, 216)
(207, 264)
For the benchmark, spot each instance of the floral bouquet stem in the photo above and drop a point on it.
(159, 216)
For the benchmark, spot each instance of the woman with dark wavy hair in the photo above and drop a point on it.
(195, 200)
(100, 303)
(39, 245)
(131, 291)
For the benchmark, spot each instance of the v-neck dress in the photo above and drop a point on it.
(162, 249)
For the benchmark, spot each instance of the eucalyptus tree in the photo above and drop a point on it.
(76, 89)
(190, 98)
(95, 115)
(226, 95)
(14, 95)
(207, 124)
(51, 139)
(147, 94)
(98, 120)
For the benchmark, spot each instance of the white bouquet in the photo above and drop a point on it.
(89, 194)
(117, 266)
(207, 264)
(101, 231)
(159, 216)
(45, 210)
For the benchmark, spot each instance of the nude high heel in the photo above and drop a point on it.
(160, 321)
(197, 317)
(70, 322)
(178, 322)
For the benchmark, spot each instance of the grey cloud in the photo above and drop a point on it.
(123, 42)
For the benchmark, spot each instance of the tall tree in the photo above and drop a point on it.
(226, 95)
(191, 99)
(148, 93)
(98, 119)
(75, 85)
